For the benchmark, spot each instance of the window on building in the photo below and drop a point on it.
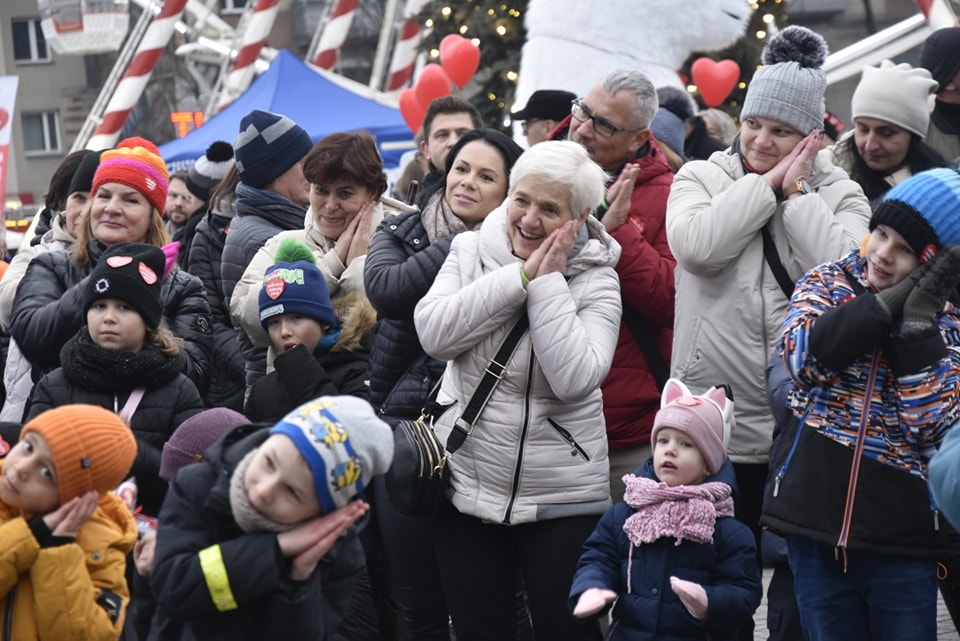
(234, 6)
(41, 132)
(29, 44)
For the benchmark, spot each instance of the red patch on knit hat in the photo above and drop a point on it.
(149, 276)
(119, 261)
(928, 252)
(274, 286)
(688, 401)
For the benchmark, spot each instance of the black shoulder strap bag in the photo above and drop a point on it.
(776, 265)
(418, 475)
(640, 329)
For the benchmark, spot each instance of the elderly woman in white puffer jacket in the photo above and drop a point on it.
(531, 480)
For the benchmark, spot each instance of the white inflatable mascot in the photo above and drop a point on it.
(572, 43)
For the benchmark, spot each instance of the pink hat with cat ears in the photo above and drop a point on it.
(707, 419)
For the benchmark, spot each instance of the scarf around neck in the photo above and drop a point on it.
(94, 368)
(438, 219)
(685, 512)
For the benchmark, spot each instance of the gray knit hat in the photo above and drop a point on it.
(899, 94)
(789, 87)
(344, 443)
(268, 145)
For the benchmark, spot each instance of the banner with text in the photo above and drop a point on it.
(8, 99)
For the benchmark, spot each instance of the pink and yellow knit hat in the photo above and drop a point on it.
(136, 162)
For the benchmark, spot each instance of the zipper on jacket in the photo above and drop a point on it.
(8, 621)
(857, 453)
(523, 437)
(575, 448)
(786, 463)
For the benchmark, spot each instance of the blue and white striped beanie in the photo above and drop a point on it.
(343, 442)
(925, 210)
(267, 146)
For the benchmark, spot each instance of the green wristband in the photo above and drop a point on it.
(523, 278)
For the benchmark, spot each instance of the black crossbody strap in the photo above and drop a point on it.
(776, 265)
(495, 370)
(641, 333)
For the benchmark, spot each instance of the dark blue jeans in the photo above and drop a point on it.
(878, 598)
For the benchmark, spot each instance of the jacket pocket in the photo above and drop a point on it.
(575, 448)
(687, 353)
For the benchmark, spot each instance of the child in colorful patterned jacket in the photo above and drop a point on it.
(873, 347)
(671, 554)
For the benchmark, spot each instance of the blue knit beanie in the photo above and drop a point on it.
(925, 210)
(294, 285)
(268, 145)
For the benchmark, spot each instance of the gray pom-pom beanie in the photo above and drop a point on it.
(789, 87)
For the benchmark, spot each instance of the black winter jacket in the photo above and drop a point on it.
(226, 381)
(48, 311)
(162, 409)
(269, 604)
(300, 376)
(261, 215)
(400, 268)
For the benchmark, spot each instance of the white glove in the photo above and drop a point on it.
(692, 595)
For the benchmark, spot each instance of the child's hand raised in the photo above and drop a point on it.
(143, 553)
(67, 519)
(692, 596)
(592, 601)
(310, 541)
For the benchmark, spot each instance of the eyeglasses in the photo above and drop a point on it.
(602, 126)
(526, 123)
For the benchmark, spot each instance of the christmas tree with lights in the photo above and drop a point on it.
(497, 27)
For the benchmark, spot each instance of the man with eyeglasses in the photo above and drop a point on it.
(543, 111)
(612, 122)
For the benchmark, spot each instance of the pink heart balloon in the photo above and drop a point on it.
(462, 62)
(432, 83)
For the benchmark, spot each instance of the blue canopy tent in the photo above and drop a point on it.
(317, 104)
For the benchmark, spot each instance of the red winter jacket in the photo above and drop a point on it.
(631, 397)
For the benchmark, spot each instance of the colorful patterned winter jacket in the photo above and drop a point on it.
(847, 477)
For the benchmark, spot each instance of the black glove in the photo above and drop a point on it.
(893, 298)
(928, 297)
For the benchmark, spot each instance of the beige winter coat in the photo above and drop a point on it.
(729, 306)
(539, 450)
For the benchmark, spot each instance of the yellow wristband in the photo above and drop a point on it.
(215, 574)
(523, 278)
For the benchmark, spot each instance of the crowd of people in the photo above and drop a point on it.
(729, 348)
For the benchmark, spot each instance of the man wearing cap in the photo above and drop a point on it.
(612, 121)
(544, 111)
(941, 56)
(272, 197)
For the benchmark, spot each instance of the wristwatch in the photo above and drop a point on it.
(800, 187)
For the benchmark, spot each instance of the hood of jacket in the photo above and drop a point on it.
(594, 247)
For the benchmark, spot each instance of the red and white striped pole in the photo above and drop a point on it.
(938, 13)
(135, 80)
(405, 51)
(334, 33)
(254, 36)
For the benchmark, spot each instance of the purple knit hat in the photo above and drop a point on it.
(189, 442)
(706, 419)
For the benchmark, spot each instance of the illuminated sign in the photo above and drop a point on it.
(182, 120)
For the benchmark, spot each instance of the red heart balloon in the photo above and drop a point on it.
(714, 80)
(462, 62)
(447, 44)
(4, 118)
(432, 83)
(411, 110)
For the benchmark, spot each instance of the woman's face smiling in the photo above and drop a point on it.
(765, 142)
(119, 214)
(337, 203)
(538, 206)
(476, 182)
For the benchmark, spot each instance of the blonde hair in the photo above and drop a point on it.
(164, 340)
(80, 252)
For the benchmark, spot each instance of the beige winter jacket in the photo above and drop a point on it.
(729, 306)
(539, 450)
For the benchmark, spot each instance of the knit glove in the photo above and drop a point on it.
(928, 297)
(592, 601)
(893, 298)
(692, 596)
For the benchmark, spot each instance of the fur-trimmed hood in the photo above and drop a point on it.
(357, 319)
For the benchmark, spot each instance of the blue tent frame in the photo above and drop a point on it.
(320, 106)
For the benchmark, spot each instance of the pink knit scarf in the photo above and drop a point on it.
(684, 511)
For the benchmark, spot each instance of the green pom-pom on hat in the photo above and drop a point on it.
(292, 250)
